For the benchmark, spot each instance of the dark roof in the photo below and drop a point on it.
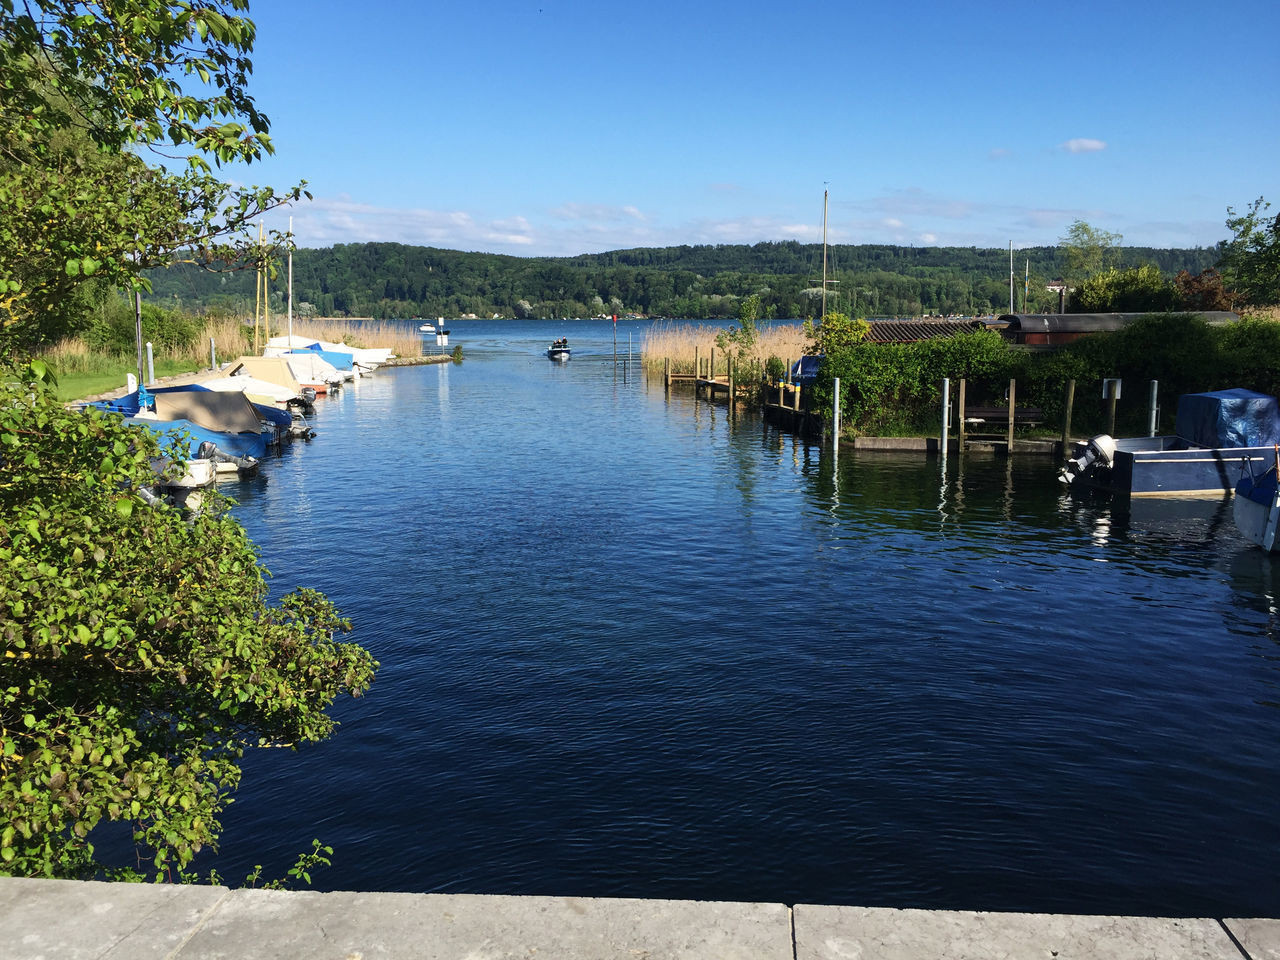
(910, 331)
(1091, 322)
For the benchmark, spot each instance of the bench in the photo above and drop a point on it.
(1022, 416)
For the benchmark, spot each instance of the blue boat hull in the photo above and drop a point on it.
(1167, 466)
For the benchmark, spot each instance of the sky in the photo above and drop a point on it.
(561, 127)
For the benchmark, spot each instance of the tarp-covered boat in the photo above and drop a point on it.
(1217, 436)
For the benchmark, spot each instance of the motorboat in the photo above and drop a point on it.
(1257, 505)
(559, 350)
(1216, 436)
(224, 427)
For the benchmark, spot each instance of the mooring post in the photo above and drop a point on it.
(666, 376)
(697, 369)
(1066, 419)
(960, 416)
(946, 414)
(732, 398)
(151, 364)
(1111, 405)
(1013, 390)
(797, 397)
(835, 415)
(711, 372)
(1151, 418)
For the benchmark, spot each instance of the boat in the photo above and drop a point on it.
(1216, 435)
(427, 328)
(1257, 505)
(223, 427)
(559, 350)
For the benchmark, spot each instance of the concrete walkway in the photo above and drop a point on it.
(65, 920)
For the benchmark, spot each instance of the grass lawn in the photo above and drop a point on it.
(76, 386)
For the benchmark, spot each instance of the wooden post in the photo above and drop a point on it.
(732, 405)
(1013, 389)
(797, 398)
(711, 372)
(667, 375)
(1066, 419)
(1111, 407)
(960, 414)
(697, 369)
(781, 388)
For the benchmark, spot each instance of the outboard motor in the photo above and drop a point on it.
(208, 450)
(1098, 452)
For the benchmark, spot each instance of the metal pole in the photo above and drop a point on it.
(835, 416)
(1011, 276)
(1151, 419)
(213, 355)
(151, 365)
(1013, 390)
(137, 328)
(946, 413)
(289, 295)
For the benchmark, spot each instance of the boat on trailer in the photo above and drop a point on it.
(1217, 436)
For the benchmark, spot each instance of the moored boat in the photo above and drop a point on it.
(1215, 434)
(1257, 505)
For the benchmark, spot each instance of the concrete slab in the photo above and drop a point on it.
(70, 920)
(398, 926)
(1260, 938)
(872, 933)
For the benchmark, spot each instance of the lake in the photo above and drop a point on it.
(631, 647)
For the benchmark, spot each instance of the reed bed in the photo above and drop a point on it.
(680, 342)
(401, 338)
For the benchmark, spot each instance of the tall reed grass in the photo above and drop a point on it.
(680, 342)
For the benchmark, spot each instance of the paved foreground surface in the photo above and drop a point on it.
(57, 919)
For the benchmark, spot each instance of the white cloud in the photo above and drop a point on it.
(599, 212)
(928, 238)
(1083, 145)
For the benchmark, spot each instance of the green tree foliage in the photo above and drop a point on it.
(140, 655)
(85, 90)
(1136, 290)
(739, 341)
(1088, 250)
(394, 280)
(1251, 259)
(836, 332)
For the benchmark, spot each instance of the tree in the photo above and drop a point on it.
(85, 90)
(141, 658)
(836, 333)
(740, 341)
(1138, 290)
(1203, 291)
(1088, 250)
(1251, 259)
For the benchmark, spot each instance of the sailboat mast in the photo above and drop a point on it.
(290, 295)
(824, 254)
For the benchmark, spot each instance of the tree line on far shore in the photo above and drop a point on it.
(389, 280)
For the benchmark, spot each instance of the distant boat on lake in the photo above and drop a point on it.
(559, 350)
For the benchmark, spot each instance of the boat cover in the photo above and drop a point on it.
(223, 412)
(272, 369)
(1228, 418)
(805, 370)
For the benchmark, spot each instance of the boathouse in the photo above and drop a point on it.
(1055, 329)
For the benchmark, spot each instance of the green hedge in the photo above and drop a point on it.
(896, 388)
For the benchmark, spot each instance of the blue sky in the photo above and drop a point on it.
(555, 128)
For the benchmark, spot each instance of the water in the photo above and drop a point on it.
(630, 648)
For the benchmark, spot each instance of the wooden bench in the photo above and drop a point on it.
(1022, 416)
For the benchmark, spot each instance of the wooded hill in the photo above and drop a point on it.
(394, 280)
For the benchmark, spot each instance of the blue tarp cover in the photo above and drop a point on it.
(805, 370)
(1229, 418)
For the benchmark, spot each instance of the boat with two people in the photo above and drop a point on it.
(1217, 435)
(559, 350)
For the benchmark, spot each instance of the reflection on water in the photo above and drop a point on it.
(634, 647)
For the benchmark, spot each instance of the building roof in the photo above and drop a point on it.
(911, 331)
